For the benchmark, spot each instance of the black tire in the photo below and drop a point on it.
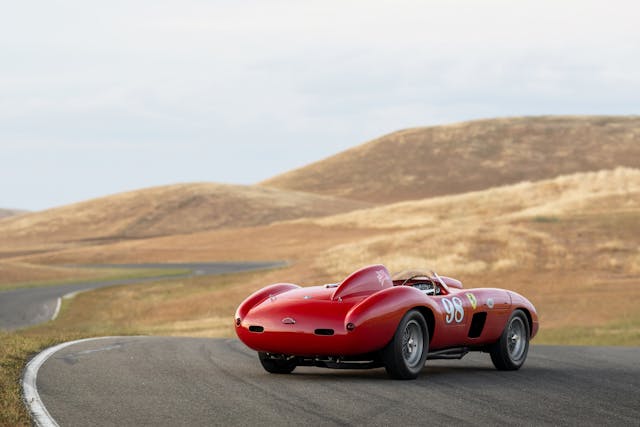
(510, 352)
(406, 353)
(276, 366)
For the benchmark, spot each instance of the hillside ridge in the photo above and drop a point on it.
(165, 210)
(4, 213)
(423, 162)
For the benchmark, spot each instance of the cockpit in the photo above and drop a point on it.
(428, 282)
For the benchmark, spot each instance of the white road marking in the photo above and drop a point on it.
(67, 296)
(38, 411)
(57, 310)
(73, 294)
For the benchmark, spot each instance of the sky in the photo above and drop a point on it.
(100, 97)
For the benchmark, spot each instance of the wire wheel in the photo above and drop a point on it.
(406, 353)
(516, 338)
(412, 344)
(510, 351)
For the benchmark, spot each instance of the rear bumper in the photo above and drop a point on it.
(299, 341)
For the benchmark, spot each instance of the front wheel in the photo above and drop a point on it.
(405, 355)
(510, 352)
(276, 365)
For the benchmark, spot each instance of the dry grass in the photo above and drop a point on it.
(15, 349)
(571, 244)
(502, 219)
(563, 194)
(538, 238)
(163, 308)
(443, 222)
(21, 275)
(170, 210)
(433, 161)
(578, 262)
(20, 272)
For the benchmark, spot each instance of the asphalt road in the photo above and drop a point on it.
(189, 381)
(20, 308)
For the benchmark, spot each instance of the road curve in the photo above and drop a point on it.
(24, 307)
(190, 381)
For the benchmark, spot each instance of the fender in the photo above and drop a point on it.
(261, 295)
(364, 281)
(518, 301)
(380, 313)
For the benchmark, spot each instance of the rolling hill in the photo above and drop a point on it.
(501, 229)
(167, 210)
(527, 226)
(10, 212)
(569, 243)
(576, 232)
(452, 159)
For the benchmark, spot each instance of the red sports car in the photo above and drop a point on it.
(372, 320)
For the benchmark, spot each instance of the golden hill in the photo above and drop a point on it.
(19, 273)
(452, 159)
(500, 229)
(571, 244)
(483, 232)
(174, 209)
(9, 212)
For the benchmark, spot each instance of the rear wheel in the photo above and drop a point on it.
(276, 365)
(510, 352)
(405, 355)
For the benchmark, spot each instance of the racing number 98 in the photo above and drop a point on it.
(454, 309)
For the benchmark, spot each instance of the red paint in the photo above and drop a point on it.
(375, 304)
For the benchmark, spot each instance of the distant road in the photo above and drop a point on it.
(196, 381)
(29, 306)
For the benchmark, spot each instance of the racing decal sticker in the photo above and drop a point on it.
(472, 300)
(454, 309)
(490, 303)
(382, 277)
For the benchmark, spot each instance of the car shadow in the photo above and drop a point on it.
(443, 372)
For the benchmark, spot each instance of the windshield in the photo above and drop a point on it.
(416, 273)
(427, 281)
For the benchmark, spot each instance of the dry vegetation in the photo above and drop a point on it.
(508, 220)
(21, 272)
(10, 212)
(159, 211)
(570, 243)
(440, 160)
(563, 242)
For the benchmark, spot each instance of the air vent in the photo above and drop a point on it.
(477, 324)
(256, 328)
(324, 331)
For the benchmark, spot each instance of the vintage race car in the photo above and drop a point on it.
(372, 320)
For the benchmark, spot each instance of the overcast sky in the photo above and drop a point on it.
(98, 97)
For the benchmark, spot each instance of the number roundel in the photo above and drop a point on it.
(454, 309)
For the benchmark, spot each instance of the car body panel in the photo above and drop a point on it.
(361, 314)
